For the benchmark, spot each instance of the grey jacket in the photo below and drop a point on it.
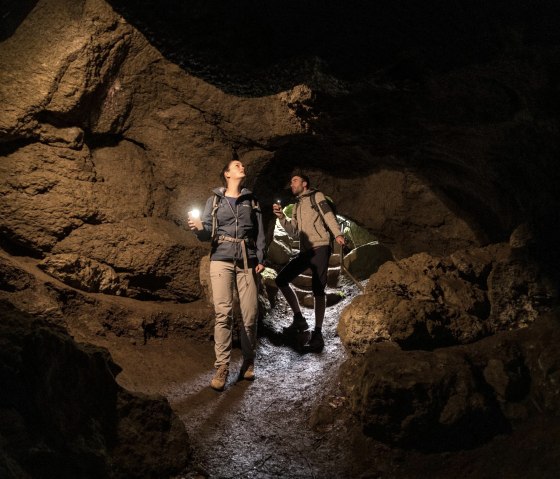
(242, 221)
(307, 223)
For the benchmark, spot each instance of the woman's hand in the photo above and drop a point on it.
(340, 240)
(192, 225)
(259, 268)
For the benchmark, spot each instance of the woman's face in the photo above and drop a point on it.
(235, 171)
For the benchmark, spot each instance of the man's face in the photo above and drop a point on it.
(298, 185)
(236, 170)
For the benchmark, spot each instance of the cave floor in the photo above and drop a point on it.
(294, 419)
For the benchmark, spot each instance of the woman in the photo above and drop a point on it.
(232, 220)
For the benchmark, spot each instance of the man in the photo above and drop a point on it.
(314, 231)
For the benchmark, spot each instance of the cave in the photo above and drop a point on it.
(435, 130)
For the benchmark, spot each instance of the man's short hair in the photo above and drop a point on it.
(303, 176)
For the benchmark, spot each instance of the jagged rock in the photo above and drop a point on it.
(423, 302)
(419, 302)
(366, 259)
(426, 400)
(83, 273)
(518, 291)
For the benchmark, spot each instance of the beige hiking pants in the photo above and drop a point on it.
(225, 276)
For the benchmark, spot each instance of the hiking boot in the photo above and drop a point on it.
(298, 325)
(219, 380)
(316, 343)
(248, 369)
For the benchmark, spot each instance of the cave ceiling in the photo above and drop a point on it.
(463, 93)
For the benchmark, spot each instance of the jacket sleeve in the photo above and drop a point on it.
(206, 233)
(330, 218)
(261, 238)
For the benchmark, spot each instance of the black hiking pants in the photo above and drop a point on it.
(317, 260)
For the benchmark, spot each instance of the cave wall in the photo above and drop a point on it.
(113, 128)
(111, 132)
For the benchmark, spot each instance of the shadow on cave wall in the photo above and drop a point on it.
(12, 14)
(305, 153)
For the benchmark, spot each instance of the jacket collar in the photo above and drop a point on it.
(222, 189)
(306, 193)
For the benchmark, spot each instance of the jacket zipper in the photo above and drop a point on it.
(236, 216)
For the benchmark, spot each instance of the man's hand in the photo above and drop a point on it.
(340, 240)
(277, 210)
(259, 268)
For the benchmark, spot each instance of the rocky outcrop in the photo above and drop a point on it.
(426, 302)
(460, 396)
(152, 258)
(63, 415)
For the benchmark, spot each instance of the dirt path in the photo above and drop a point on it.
(286, 423)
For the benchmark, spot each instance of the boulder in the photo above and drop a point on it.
(153, 258)
(366, 259)
(83, 273)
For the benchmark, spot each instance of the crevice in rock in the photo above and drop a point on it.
(15, 247)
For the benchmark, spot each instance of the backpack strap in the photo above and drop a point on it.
(319, 210)
(255, 204)
(215, 205)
